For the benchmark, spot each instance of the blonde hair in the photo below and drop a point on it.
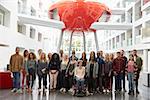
(107, 57)
(44, 57)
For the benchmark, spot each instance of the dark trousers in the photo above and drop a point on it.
(70, 81)
(100, 83)
(44, 77)
(63, 79)
(106, 81)
(123, 80)
(59, 80)
(111, 81)
(137, 80)
(30, 78)
(118, 82)
(91, 84)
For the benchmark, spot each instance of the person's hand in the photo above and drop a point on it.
(126, 73)
(115, 73)
(66, 75)
(122, 71)
(27, 74)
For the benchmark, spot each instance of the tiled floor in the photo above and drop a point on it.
(7, 95)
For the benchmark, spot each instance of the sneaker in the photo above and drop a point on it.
(61, 90)
(104, 90)
(129, 92)
(107, 91)
(64, 90)
(19, 91)
(14, 90)
(124, 90)
(69, 90)
(137, 92)
(39, 89)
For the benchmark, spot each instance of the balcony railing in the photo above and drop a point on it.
(30, 12)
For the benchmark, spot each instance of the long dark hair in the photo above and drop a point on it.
(84, 56)
(24, 53)
(94, 57)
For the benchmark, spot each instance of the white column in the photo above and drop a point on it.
(60, 41)
(133, 28)
(96, 41)
(145, 60)
(70, 45)
(84, 42)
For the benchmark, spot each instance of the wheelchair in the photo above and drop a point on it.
(80, 91)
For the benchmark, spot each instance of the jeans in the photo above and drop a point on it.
(44, 77)
(131, 81)
(80, 82)
(31, 77)
(118, 82)
(16, 80)
(123, 79)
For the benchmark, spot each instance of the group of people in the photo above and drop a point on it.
(64, 72)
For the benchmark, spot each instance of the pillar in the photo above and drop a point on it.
(84, 42)
(96, 41)
(60, 40)
(145, 60)
(70, 45)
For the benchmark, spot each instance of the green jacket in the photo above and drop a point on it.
(139, 63)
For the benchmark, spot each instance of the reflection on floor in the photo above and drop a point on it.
(144, 95)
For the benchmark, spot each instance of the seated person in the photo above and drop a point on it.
(79, 75)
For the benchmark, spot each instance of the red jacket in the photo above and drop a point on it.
(118, 65)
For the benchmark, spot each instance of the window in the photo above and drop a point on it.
(21, 29)
(1, 17)
(117, 39)
(33, 12)
(32, 33)
(39, 36)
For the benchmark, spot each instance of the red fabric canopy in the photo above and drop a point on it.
(79, 15)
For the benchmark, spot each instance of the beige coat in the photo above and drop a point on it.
(16, 63)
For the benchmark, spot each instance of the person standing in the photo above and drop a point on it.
(42, 71)
(49, 56)
(100, 66)
(25, 58)
(139, 63)
(60, 76)
(111, 58)
(70, 70)
(54, 68)
(107, 70)
(92, 72)
(31, 70)
(131, 69)
(16, 63)
(124, 65)
(118, 64)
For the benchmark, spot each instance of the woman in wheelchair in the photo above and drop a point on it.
(79, 75)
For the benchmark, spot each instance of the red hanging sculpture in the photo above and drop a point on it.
(78, 15)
